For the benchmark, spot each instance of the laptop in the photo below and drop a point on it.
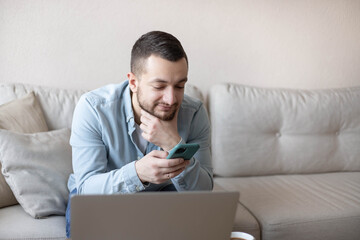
(154, 216)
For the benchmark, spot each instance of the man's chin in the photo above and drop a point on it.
(165, 116)
(161, 114)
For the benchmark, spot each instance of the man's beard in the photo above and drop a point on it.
(151, 109)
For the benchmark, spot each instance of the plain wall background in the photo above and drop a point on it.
(84, 44)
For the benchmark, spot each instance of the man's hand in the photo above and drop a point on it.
(161, 133)
(155, 168)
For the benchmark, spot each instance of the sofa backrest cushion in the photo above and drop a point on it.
(258, 131)
(58, 104)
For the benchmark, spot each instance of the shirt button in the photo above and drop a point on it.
(139, 157)
(137, 188)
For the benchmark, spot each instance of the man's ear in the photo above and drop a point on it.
(133, 82)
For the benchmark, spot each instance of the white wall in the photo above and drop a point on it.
(270, 43)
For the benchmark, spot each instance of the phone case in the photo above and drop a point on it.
(185, 151)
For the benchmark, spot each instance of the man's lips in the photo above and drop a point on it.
(163, 107)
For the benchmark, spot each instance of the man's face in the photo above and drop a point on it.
(160, 88)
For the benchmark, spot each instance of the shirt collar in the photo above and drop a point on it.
(129, 110)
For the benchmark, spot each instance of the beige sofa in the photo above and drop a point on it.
(293, 155)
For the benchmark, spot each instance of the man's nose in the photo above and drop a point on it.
(169, 96)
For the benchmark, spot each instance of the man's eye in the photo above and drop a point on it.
(158, 87)
(180, 87)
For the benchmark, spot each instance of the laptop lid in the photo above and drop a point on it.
(154, 216)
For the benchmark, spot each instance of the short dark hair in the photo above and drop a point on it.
(159, 43)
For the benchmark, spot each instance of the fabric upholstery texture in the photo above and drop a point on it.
(323, 206)
(23, 115)
(36, 167)
(284, 131)
(57, 104)
(19, 115)
(16, 225)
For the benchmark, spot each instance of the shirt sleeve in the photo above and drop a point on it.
(89, 156)
(198, 175)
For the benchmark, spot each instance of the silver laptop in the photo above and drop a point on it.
(154, 216)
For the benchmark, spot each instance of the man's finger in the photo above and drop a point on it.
(176, 168)
(174, 174)
(169, 163)
(145, 136)
(159, 154)
(143, 127)
(144, 120)
(146, 114)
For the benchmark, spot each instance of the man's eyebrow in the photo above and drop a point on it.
(158, 80)
(183, 80)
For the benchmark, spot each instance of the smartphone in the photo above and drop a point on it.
(185, 151)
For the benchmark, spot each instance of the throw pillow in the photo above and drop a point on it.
(20, 115)
(36, 167)
(23, 115)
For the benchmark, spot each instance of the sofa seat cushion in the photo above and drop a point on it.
(16, 224)
(244, 221)
(318, 206)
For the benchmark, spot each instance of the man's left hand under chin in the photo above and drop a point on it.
(161, 133)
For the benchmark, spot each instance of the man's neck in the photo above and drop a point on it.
(136, 108)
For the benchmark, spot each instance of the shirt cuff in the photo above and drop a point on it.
(133, 181)
(181, 142)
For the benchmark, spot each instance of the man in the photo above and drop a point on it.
(121, 134)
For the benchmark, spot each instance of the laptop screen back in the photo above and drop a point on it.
(158, 215)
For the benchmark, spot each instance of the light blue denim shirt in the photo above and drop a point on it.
(104, 153)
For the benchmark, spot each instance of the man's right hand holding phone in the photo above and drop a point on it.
(155, 168)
